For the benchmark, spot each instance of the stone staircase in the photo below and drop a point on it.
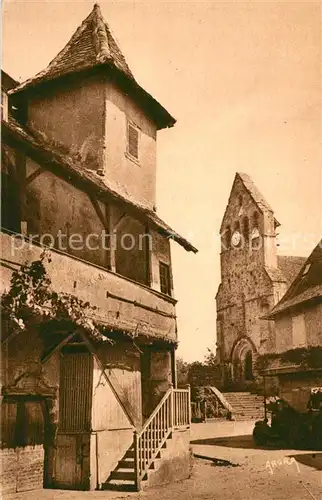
(245, 406)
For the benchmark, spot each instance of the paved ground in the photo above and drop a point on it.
(239, 471)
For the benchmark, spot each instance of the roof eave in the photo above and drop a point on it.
(153, 108)
(287, 307)
(161, 226)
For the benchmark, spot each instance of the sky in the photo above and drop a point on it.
(243, 80)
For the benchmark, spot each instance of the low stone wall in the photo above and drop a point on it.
(175, 463)
(22, 469)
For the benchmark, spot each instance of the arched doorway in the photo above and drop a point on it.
(248, 365)
(242, 361)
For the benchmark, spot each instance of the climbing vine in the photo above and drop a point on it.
(306, 357)
(30, 294)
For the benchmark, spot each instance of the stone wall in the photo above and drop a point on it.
(72, 115)
(291, 334)
(133, 179)
(176, 461)
(92, 120)
(22, 469)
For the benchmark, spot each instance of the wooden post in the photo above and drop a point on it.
(148, 252)
(265, 408)
(173, 367)
(189, 403)
(172, 407)
(137, 461)
(112, 238)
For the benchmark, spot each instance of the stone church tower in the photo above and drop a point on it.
(253, 280)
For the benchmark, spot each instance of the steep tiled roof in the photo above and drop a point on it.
(74, 169)
(92, 44)
(91, 47)
(287, 269)
(306, 286)
(275, 274)
(253, 192)
(290, 266)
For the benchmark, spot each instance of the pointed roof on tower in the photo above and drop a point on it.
(254, 193)
(92, 46)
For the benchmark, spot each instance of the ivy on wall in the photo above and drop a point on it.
(30, 294)
(306, 357)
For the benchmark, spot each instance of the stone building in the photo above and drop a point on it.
(89, 337)
(253, 279)
(297, 319)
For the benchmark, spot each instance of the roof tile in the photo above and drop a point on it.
(91, 45)
(306, 286)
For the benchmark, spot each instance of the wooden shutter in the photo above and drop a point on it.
(8, 424)
(133, 141)
(165, 278)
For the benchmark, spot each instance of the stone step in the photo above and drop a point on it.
(123, 475)
(119, 486)
(246, 406)
(126, 464)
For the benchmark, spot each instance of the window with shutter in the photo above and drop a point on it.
(8, 424)
(165, 282)
(133, 141)
(22, 422)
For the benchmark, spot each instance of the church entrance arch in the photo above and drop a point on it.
(243, 361)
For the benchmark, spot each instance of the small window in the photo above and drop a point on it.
(165, 282)
(256, 220)
(246, 228)
(4, 106)
(133, 141)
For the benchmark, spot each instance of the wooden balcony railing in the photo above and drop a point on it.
(172, 412)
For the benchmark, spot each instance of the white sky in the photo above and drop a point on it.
(243, 79)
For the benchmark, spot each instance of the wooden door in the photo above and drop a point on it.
(75, 403)
(71, 461)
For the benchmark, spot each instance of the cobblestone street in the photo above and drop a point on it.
(240, 471)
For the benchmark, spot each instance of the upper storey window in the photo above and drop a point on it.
(165, 278)
(133, 136)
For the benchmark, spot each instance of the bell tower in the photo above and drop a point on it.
(248, 258)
